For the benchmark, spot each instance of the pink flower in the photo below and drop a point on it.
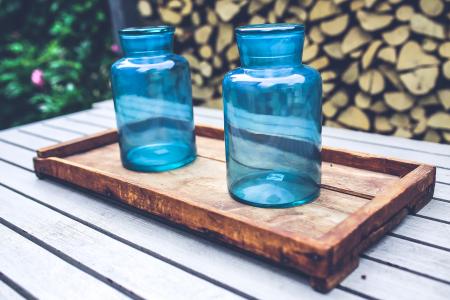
(115, 48)
(37, 78)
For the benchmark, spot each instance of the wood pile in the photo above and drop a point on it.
(385, 64)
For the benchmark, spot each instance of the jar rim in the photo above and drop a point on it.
(270, 28)
(159, 29)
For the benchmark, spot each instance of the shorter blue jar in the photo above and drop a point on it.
(273, 114)
(153, 102)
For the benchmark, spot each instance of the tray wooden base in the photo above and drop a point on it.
(362, 198)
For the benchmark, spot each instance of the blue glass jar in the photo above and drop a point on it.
(273, 112)
(153, 102)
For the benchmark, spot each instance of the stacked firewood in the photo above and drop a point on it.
(385, 64)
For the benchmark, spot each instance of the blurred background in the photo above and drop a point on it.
(385, 63)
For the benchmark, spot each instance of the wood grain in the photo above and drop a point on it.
(6, 292)
(261, 280)
(256, 277)
(62, 281)
(125, 268)
(320, 239)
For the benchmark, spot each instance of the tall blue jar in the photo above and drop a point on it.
(273, 111)
(153, 102)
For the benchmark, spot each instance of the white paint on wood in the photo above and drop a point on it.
(211, 117)
(442, 191)
(424, 230)
(437, 210)
(192, 251)
(195, 253)
(90, 118)
(443, 175)
(427, 158)
(134, 270)
(73, 126)
(333, 132)
(44, 131)
(43, 274)
(24, 139)
(6, 292)
(223, 264)
(16, 155)
(412, 256)
(392, 283)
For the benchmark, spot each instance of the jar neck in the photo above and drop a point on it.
(255, 62)
(146, 41)
(270, 45)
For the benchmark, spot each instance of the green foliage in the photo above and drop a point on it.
(69, 41)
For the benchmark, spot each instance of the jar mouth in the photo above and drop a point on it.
(270, 28)
(148, 30)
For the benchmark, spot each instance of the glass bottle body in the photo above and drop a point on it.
(153, 102)
(272, 110)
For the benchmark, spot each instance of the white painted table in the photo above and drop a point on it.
(57, 242)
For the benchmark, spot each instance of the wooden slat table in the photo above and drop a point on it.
(58, 242)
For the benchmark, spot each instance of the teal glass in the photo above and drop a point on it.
(273, 112)
(153, 101)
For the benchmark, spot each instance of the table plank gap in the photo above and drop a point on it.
(12, 291)
(24, 139)
(44, 275)
(414, 257)
(170, 242)
(444, 172)
(98, 217)
(372, 138)
(38, 129)
(129, 270)
(393, 283)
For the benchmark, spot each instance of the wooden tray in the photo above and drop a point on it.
(362, 198)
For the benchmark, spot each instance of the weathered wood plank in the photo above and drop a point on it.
(104, 104)
(26, 156)
(6, 292)
(178, 196)
(16, 155)
(334, 176)
(430, 153)
(442, 191)
(189, 250)
(129, 268)
(72, 126)
(104, 113)
(45, 275)
(180, 246)
(369, 138)
(89, 117)
(427, 260)
(439, 210)
(39, 129)
(74, 146)
(443, 175)
(358, 182)
(393, 283)
(432, 159)
(426, 231)
(25, 140)
(101, 175)
(103, 166)
(418, 183)
(25, 163)
(391, 141)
